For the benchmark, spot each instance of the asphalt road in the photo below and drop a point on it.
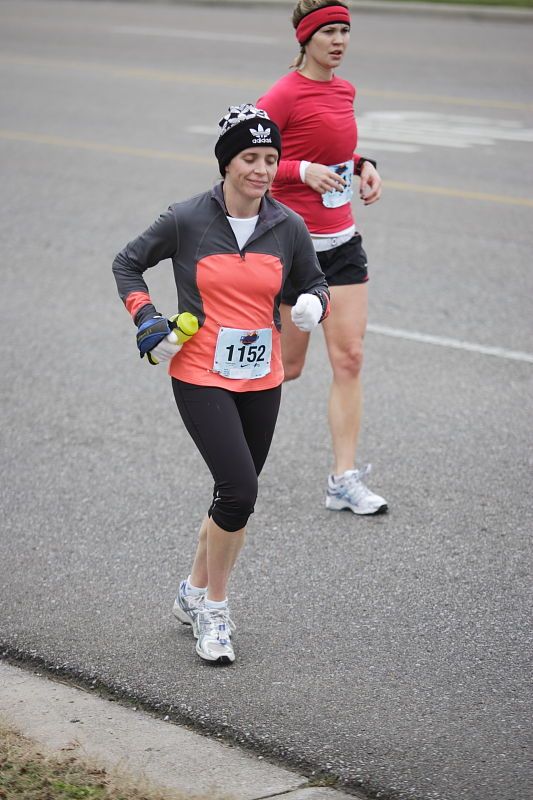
(392, 653)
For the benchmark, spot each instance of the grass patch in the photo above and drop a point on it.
(323, 779)
(26, 773)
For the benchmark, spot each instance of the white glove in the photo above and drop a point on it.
(166, 349)
(307, 312)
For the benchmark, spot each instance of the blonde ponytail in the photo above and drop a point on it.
(299, 60)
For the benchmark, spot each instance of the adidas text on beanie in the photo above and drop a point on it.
(242, 127)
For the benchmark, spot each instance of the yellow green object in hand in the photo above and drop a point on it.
(182, 327)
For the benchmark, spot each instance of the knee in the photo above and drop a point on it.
(348, 362)
(292, 369)
(245, 495)
(234, 505)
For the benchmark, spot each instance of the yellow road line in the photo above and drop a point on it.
(135, 72)
(459, 193)
(146, 152)
(190, 79)
(440, 99)
(82, 144)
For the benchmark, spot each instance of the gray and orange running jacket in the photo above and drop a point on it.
(219, 283)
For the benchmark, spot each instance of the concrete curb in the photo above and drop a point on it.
(489, 13)
(61, 717)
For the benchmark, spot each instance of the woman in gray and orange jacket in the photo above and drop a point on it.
(232, 248)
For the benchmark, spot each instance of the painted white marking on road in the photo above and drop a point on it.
(456, 344)
(440, 130)
(370, 145)
(175, 33)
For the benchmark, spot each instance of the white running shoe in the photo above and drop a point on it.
(214, 636)
(349, 491)
(187, 607)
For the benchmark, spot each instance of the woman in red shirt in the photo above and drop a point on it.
(313, 109)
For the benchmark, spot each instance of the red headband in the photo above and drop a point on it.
(327, 15)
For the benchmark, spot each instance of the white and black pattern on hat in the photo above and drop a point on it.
(238, 114)
(245, 126)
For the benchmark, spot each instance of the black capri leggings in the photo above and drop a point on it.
(233, 432)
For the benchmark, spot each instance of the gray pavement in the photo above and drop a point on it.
(392, 654)
(496, 13)
(131, 743)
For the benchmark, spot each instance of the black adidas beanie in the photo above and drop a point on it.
(242, 127)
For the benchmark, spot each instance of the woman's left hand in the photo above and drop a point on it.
(370, 185)
(307, 312)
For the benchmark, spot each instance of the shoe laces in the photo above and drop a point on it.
(353, 481)
(192, 601)
(215, 622)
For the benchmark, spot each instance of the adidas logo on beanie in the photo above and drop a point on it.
(242, 127)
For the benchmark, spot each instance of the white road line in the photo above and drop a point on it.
(174, 33)
(457, 344)
(364, 143)
(441, 130)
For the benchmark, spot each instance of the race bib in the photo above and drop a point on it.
(243, 353)
(334, 199)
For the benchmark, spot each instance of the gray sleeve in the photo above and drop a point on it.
(158, 242)
(306, 274)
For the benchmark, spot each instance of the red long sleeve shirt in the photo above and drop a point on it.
(317, 123)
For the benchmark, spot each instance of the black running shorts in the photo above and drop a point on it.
(342, 266)
(233, 432)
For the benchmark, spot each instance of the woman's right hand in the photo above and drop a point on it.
(322, 179)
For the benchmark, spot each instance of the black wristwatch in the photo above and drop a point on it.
(359, 165)
(324, 301)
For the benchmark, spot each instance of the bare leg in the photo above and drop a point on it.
(344, 330)
(199, 567)
(294, 344)
(216, 554)
(223, 548)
